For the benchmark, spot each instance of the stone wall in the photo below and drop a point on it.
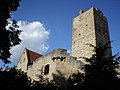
(83, 34)
(102, 31)
(23, 61)
(58, 61)
(90, 27)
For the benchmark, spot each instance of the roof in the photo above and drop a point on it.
(32, 56)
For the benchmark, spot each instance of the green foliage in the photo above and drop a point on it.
(38, 85)
(9, 37)
(75, 81)
(60, 81)
(14, 79)
(101, 72)
(11, 78)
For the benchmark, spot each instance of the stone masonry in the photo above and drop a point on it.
(52, 63)
(90, 27)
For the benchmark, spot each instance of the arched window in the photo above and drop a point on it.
(46, 69)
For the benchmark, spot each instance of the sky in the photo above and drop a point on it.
(47, 24)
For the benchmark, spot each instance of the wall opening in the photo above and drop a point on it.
(46, 70)
(74, 42)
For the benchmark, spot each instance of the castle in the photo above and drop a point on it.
(90, 27)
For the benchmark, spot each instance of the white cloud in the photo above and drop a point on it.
(34, 37)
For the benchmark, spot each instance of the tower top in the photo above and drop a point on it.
(82, 11)
(96, 10)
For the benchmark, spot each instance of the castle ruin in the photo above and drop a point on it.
(89, 27)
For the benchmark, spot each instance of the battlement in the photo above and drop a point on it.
(96, 11)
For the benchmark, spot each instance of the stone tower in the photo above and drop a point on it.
(90, 27)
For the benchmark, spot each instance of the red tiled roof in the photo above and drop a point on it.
(32, 56)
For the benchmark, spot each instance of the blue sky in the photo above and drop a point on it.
(56, 18)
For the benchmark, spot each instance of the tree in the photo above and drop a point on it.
(9, 37)
(11, 78)
(60, 81)
(101, 72)
(75, 81)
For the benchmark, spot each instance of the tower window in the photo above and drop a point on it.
(62, 58)
(74, 42)
(79, 34)
(46, 70)
(53, 58)
(74, 29)
(24, 60)
(58, 58)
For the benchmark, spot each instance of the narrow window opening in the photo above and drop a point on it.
(62, 58)
(58, 58)
(46, 70)
(74, 42)
(53, 58)
(24, 60)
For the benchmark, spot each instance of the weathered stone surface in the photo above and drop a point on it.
(90, 27)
